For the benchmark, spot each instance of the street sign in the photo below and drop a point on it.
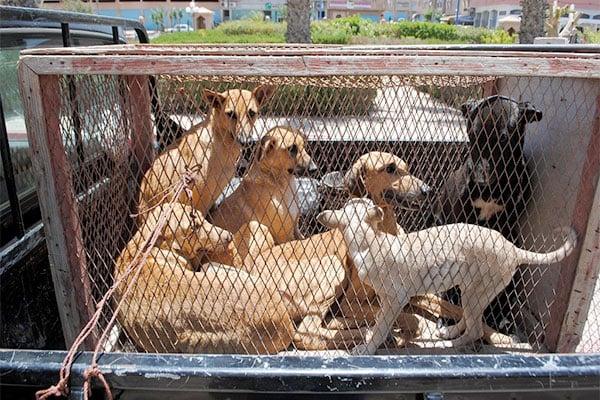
(268, 6)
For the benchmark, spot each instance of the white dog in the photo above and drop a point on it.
(480, 260)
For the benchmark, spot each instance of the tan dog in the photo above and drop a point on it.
(479, 260)
(217, 310)
(210, 150)
(388, 177)
(385, 179)
(268, 192)
(251, 239)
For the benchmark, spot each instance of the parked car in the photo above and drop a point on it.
(18, 35)
(179, 28)
(465, 20)
(462, 20)
(28, 313)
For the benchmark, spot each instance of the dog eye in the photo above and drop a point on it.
(251, 113)
(293, 150)
(231, 115)
(391, 168)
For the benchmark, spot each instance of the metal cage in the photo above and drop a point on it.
(506, 141)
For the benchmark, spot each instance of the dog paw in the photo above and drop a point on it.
(360, 350)
(448, 332)
(463, 340)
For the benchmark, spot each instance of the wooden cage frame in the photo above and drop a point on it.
(40, 70)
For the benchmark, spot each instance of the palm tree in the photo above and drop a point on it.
(179, 15)
(532, 20)
(172, 18)
(158, 17)
(20, 3)
(298, 21)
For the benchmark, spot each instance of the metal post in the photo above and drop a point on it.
(66, 37)
(11, 185)
(115, 34)
(457, 12)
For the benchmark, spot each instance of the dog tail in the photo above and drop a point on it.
(311, 336)
(555, 256)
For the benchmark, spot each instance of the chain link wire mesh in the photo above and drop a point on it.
(244, 265)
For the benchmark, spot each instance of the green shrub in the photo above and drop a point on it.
(432, 15)
(321, 101)
(324, 33)
(288, 100)
(497, 37)
(254, 16)
(425, 30)
(351, 24)
(386, 40)
(484, 36)
(251, 27)
(11, 100)
(452, 96)
(344, 31)
(590, 36)
(216, 36)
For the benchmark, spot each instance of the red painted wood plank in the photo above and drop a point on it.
(314, 65)
(559, 326)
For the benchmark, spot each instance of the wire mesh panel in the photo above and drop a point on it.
(392, 212)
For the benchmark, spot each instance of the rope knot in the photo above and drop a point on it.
(94, 372)
(58, 390)
(188, 178)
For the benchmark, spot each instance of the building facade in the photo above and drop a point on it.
(390, 10)
(486, 13)
(142, 10)
(273, 10)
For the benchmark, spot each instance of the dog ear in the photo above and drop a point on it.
(467, 108)
(214, 99)
(530, 113)
(267, 144)
(375, 214)
(355, 181)
(328, 218)
(263, 93)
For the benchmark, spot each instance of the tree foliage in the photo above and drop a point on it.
(77, 6)
(158, 18)
(20, 3)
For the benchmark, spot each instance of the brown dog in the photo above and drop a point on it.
(267, 193)
(324, 256)
(208, 152)
(217, 310)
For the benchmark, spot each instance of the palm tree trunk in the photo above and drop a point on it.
(532, 20)
(298, 21)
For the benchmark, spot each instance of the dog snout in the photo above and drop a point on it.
(223, 240)
(244, 140)
(226, 237)
(304, 168)
(425, 190)
(480, 171)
